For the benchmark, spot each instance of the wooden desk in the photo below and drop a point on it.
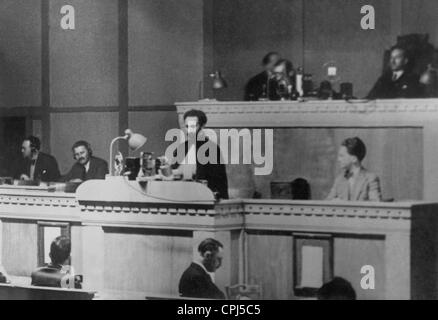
(133, 247)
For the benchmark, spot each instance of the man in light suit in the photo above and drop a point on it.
(355, 183)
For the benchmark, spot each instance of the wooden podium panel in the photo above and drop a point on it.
(129, 247)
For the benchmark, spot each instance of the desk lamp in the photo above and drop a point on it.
(218, 83)
(135, 142)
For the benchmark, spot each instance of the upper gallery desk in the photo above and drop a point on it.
(142, 246)
(401, 138)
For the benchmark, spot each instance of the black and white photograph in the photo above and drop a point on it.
(218, 154)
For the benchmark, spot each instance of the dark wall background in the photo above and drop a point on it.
(68, 83)
(20, 53)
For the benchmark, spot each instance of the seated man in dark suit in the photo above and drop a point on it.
(196, 281)
(355, 183)
(214, 173)
(87, 167)
(260, 85)
(58, 273)
(399, 81)
(37, 165)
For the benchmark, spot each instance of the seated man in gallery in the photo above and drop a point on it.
(197, 281)
(336, 289)
(58, 273)
(259, 86)
(355, 183)
(87, 166)
(398, 81)
(36, 165)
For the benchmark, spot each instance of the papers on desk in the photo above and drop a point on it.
(311, 267)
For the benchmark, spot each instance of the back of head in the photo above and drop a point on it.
(337, 289)
(60, 250)
(209, 244)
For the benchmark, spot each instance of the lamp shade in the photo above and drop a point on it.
(135, 140)
(218, 81)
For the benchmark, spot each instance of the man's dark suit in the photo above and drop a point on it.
(97, 171)
(46, 168)
(196, 283)
(257, 86)
(406, 86)
(214, 174)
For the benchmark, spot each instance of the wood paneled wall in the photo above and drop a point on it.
(20, 53)
(395, 155)
(19, 245)
(146, 253)
(105, 66)
(270, 254)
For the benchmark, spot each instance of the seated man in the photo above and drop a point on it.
(355, 183)
(259, 86)
(336, 289)
(398, 82)
(36, 165)
(196, 281)
(87, 167)
(57, 273)
(214, 173)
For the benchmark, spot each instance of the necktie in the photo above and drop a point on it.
(394, 77)
(348, 174)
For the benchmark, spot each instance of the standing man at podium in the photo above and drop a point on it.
(355, 183)
(37, 165)
(190, 168)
